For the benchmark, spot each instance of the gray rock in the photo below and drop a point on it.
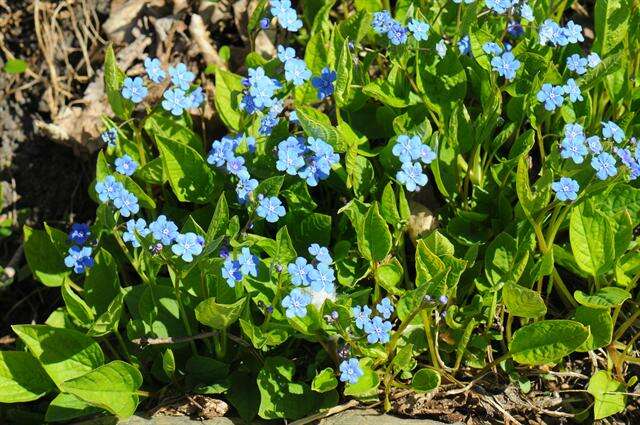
(370, 416)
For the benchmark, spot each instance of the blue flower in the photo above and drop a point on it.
(594, 145)
(350, 371)
(385, 308)
(231, 272)
(577, 64)
(515, 29)
(181, 76)
(377, 330)
(154, 69)
(324, 83)
(194, 99)
(247, 105)
(110, 137)
(278, 7)
(296, 71)
(79, 233)
(574, 132)
(248, 262)
(244, 188)
(293, 116)
(299, 272)
(79, 258)
(441, 48)
(108, 189)
(464, 45)
(407, 148)
(551, 96)
(163, 230)
(262, 88)
(270, 208)
(186, 246)
(381, 21)
(296, 303)
(629, 161)
(526, 12)
(220, 151)
(135, 228)
(492, 48)
(573, 33)
(411, 176)
(551, 32)
(419, 29)
(361, 315)
(321, 253)
(605, 165)
(235, 165)
(506, 65)
(566, 189)
(572, 90)
(289, 21)
(126, 203)
(396, 33)
(126, 165)
(285, 53)
(324, 156)
(264, 23)
(134, 89)
(611, 130)
(593, 60)
(322, 278)
(427, 155)
(574, 149)
(174, 101)
(499, 6)
(290, 157)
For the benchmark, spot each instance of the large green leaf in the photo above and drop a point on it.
(604, 298)
(63, 353)
(318, 125)
(523, 302)
(102, 283)
(219, 316)
(77, 308)
(591, 239)
(189, 175)
(160, 123)
(612, 24)
(547, 341)
(608, 394)
(22, 378)
(425, 380)
(324, 381)
(112, 387)
(374, 238)
(66, 407)
(108, 321)
(228, 87)
(600, 325)
(504, 262)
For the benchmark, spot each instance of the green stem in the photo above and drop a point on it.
(183, 313)
(426, 322)
(562, 289)
(123, 345)
(626, 325)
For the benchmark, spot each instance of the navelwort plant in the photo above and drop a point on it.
(282, 265)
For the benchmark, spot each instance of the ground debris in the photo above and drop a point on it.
(197, 406)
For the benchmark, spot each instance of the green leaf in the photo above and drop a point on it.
(504, 262)
(22, 378)
(344, 74)
(108, 321)
(66, 407)
(102, 283)
(374, 238)
(168, 362)
(15, 66)
(367, 383)
(611, 24)
(152, 172)
(63, 353)
(219, 220)
(600, 326)
(605, 298)
(403, 360)
(113, 79)
(389, 276)
(388, 206)
(189, 176)
(318, 125)
(285, 252)
(547, 341)
(76, 306)
(45, 258)
(219, 316)
(523, 302)
(425, 380)
(591, 239)
(111, 387)
(228, 87)
(324, 381)
(608, 395)
(257, 14)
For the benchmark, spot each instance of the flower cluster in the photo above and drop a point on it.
(311, 161)
(377, 329)
(411, 151)
(285, 14)
(383, 23)
(110, 137)
(295, 69)
(79, 256)
(552, 33)
(111, 190)
(235, 269)
(503, 62)
(224, 155)
(314, 281)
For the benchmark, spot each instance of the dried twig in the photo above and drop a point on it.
(180, 339)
